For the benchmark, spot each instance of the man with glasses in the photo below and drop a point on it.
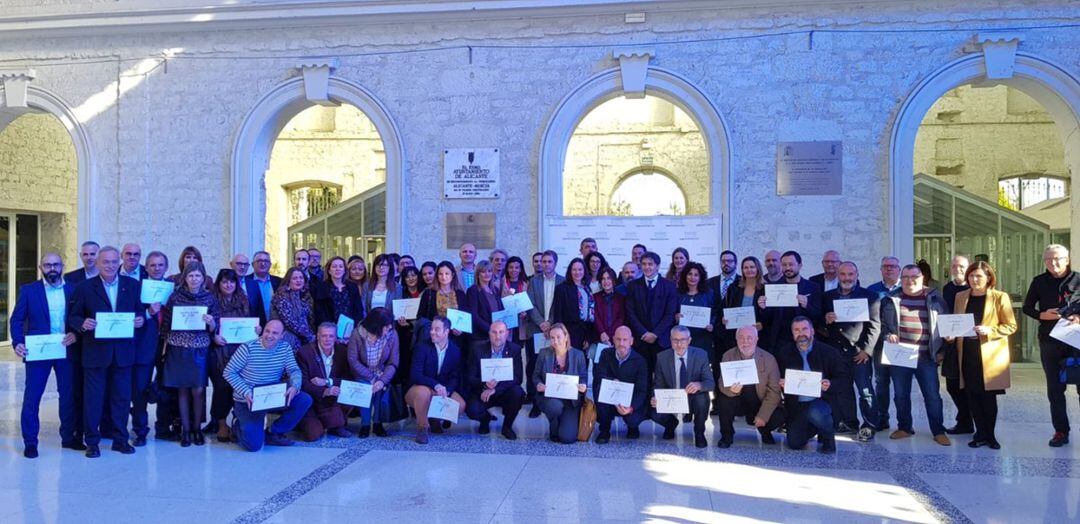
(1049, 292)
(889, 284)
(41, 309)
(261, 286)
(910, 317)
(314, 267)
(242, 265)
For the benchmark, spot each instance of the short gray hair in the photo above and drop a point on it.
(1056, 247)
(682, 330)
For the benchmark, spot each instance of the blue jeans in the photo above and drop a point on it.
(251, 426)
(37, 376)
(864, 388)
(926, 373)
(806, 419)
(882, 378)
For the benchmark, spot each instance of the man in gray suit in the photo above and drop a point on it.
(541, 293)
(687, 368)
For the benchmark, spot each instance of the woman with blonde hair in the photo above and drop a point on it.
(562, 415)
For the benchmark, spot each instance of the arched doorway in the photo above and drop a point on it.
(255, 142)
(668, 100)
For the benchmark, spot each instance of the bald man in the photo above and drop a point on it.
(762, 401)
(621, 364)
(773, 273)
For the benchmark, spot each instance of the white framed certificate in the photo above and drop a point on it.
(616, 393)
(155, 291)
(803, 383)
(406, 308)
(673, 401)
(355, 394)
(497, 369)
(738, 317)
(444, 408)
(1064, 331)
(852, 310)
(742, 372)
(345, 326)
(540, 342)
(517, 302)
(959, 325)
(268, 397)
(459, 320)
(903, 355)
(45, 347)
(694, 316)
(114, 325)
(506, 316)
(239, 330)
(561, 386)
(188, 318)
(781, 295)
(598, 351)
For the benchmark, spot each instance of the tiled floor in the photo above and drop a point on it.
(463, 477)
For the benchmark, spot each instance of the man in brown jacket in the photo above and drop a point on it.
(323, 363)
(762, 401)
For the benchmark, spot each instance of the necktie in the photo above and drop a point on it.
(724, 287)
(651, 283)
(683, 378)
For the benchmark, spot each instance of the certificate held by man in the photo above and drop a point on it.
(355, 394)
(743, 372)
(1064, 331)
(673, 401)
(268, 397)
(616, 393)
(239, 330)
(561, 386)
(443, 408)
(114, 325)
(852, 310)
(802, 383)
(781, 295)
(45, 347)
(188, 318)
(960, 325)
(459, 320)
(155, 291)
(903, 355)
(497, 369)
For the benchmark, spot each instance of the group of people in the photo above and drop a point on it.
(323, 326)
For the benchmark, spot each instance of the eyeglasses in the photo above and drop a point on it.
(242, 264)
(1055, 259)
(910, 277)
(55, 265)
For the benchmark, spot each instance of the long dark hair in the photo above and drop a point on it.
(703, 276)
(237, 296)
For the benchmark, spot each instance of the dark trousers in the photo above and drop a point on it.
(699, 409)
(251, 426)
(745, 404)
(882, 381)
(509, 400)
(321, 418)
(606, 413)
(984, 410)
(959, 397)
(714, 361)
(562, 418)
(649, 351)
(101, 383)
(1052, 352)
(167, 410)
(530, 366)
(37, 376)
(221, 399)
(854, 393)
(76, 372)
(806, 419)
(140, 381)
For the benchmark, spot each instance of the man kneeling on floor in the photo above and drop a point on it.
(809, 415)
(263, 362)
(323, 363)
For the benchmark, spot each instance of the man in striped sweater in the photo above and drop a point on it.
(262, 362)
(910, 317)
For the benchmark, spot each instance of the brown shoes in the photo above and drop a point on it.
(899, 434)
(421, 435)
(942, 439)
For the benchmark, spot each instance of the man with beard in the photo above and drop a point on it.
(807, 416)
(773, 273)
(778, 319)
(728, 277)
(314, 268)
(856, 341)
(41, 309)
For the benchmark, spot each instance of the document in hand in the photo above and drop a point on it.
(355, 394)
(803, 383)
(268, 397)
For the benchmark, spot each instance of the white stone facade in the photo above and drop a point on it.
(162, 131)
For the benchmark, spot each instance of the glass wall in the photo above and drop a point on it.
(18, 261)
(356, 226)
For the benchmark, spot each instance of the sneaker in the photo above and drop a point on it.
(278, 439)
(1059, 439)
(865, 435)
(942, 439)
(899, 434)
(844, 429)
(421, 435)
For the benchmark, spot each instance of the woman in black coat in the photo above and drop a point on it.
(335, 296)
(573, 305)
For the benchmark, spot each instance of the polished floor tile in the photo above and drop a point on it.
(986, 499)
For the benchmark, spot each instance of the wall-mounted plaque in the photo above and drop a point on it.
(809, 168)
(475, 228)
(471, 173)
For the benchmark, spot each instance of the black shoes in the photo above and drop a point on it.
(724, 443)
(278, 439)
(436, 426)
(198, 439)
(185, 439)
(633, 433)
(1059, 439)
(378, 429)
(508, 432)
(76, 445)
(994, 444)
(669, 432)
(700, 442)
(766, 436)
(828, 446)
(535, 411)
(92, 452)
(365, 431)
(140, 441)
(603, 438)
(341, 432)
(485, 425)
(30, 452)
(123, 447)
(959, 430)
(978, 443)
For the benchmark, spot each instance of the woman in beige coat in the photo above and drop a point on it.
(984, 358)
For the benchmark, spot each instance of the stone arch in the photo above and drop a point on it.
(1051, 85)
(255, 140)
(607, 85)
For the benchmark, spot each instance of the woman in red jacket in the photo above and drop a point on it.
(610, 307)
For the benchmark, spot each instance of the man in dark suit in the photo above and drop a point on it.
(41, 309)
(778, 319)
(541, 292)
(148, 351)
(242, 265)
(106, 362)
(687, 368)
(808, 416)
(436, 370)
(323, 363)
(621, 364)
(728, 277)
(505, 394)
(829, 279)
(651, 304)
(88, 253)
(261, 286)
(856, 341)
